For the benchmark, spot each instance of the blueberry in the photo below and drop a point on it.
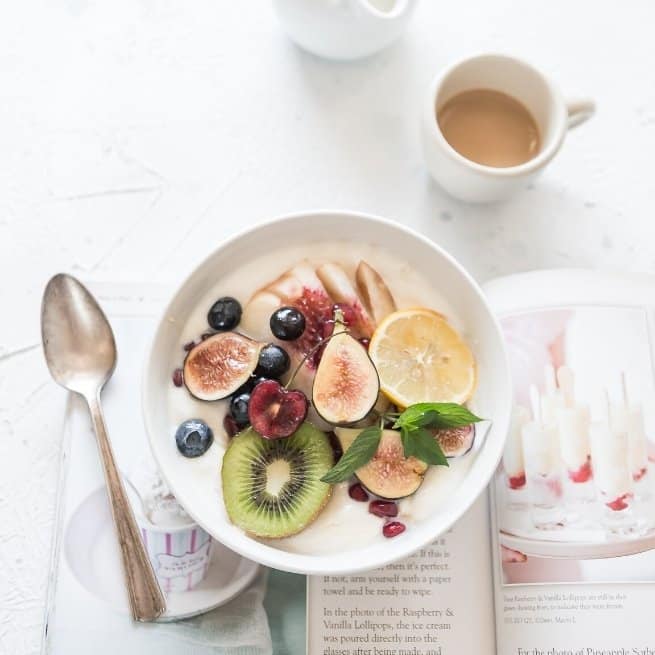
(273, 361)
(287, 323)
(224, 314)
(239, 408)
(194, 437)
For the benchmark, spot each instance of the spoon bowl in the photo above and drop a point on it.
(78, 341)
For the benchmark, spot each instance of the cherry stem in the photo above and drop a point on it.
(312, 350)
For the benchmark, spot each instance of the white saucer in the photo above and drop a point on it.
(91, 552)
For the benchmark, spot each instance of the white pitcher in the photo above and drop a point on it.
(344, 29)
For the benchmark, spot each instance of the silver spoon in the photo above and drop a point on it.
(80, 352)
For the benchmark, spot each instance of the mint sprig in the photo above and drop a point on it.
(360, 452)
(416, 421)
(414, 424)
(435, 416)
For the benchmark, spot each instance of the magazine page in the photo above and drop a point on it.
(437, 602)
(574, 496)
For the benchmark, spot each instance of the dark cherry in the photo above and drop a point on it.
(393, 529)
(383, 508)
(365, 342)
(276, 412)
(178, 377)
(357, 492)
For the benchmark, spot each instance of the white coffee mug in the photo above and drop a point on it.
(473, 182)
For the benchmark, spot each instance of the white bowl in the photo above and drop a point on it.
(197, 487)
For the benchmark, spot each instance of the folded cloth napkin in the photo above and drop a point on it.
(238, 628)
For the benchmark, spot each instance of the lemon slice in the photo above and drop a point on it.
(420, 357)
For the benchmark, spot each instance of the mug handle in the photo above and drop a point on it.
(579, 111)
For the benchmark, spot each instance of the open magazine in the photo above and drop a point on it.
(559, 557)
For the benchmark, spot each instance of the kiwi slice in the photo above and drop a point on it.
(272, 487)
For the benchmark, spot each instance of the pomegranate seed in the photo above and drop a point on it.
(178, 377)
(316, 306)
(230, 425)
(383, 508)
(357, 492)
(393, 529)
(365, 342)
(189, 346)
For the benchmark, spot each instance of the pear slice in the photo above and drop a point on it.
(341, 289)
(389, 474)
(374, 292)
(257, 314)
(346, 384)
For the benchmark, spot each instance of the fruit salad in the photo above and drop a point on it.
(332, 402)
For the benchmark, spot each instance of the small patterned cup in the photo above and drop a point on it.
(178, 548)
(180, 555)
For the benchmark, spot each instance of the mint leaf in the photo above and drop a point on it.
(427, 448)
(407, 441)
(360, 452)
(428, 418)
(435, 415)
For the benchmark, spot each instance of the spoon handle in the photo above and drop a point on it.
(146, 599)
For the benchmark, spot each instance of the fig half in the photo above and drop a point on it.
(456, 442)
(219, 365)
(346, 384)
(389, 474)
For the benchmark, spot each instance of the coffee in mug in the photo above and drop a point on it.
(489, 127)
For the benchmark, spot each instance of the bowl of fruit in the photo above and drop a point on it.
(327, 392)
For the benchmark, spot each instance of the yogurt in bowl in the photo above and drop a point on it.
(345, 533)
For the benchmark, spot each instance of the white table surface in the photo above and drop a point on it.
(136, 134)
